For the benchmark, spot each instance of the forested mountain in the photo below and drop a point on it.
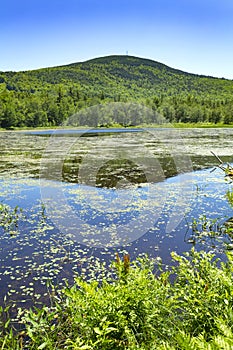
(46, 97)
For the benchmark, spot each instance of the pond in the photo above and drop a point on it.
(75, 198)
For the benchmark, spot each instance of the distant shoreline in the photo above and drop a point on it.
(143, 126)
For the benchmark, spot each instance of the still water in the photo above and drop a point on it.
(75, 198)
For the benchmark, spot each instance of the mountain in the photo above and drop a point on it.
(47, 96)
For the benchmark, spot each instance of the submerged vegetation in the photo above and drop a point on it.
(47, 97)
(135, 307)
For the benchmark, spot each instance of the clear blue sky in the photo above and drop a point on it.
(192, 35)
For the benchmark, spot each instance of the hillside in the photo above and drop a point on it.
(47, 96)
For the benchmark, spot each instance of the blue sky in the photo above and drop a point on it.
(192, 35)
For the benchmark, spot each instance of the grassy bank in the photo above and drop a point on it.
(201, 125)
(119, 126)
(134, 309)
(188, 125)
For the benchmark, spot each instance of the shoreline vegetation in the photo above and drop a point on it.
(130, 306)
(119, 126)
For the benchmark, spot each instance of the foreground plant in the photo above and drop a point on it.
(138, 309)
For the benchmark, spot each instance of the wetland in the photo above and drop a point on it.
(71, 199)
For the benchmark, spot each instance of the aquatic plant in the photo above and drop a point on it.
(9, 218)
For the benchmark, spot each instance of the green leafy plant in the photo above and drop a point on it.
(137, 308)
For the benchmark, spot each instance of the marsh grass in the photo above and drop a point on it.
(136, 307)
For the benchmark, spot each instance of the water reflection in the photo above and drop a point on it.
(120, 173)
(81, 132)
(116, 170)
(115, 173)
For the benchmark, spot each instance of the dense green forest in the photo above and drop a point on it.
(47, 97)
